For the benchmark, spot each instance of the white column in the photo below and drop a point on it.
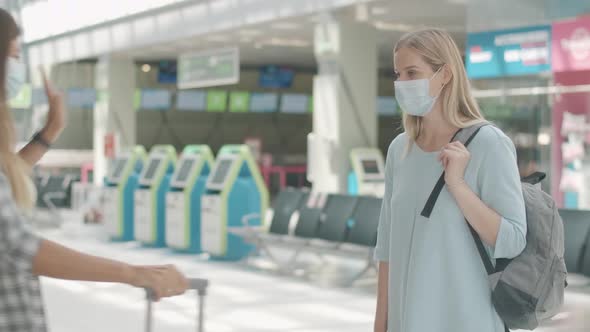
(113, 113)
(345, 92)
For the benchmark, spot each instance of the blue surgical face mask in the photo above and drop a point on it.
(414, 96)
(15, 78)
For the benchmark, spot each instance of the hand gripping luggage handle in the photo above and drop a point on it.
(200, 285)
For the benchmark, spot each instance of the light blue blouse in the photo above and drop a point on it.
(437, 281)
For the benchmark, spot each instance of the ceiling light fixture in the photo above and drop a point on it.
(379, 10)
(323, 18)
(285, 26)
(544, 139)
(362, 12)
(218, 38)
(146, 68)
(250, 32)
(387, 26)
(286, 42)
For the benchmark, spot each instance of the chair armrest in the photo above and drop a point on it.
(249, 217)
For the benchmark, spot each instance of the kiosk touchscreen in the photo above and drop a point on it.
(150, 197)
(183, 201)
(234, 189)
(120, 184)
(368, 173)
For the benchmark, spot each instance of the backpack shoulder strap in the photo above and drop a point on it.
(465, 136)
(534, 178)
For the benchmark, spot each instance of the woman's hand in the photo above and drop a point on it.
(454, 158)
(56, 117)
(163, 280)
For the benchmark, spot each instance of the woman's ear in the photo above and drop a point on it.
(447, 74)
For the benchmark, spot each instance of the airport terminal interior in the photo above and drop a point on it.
(245, 141)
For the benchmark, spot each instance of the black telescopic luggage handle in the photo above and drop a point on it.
(200, 285)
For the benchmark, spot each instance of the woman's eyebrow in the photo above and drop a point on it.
(411, 67)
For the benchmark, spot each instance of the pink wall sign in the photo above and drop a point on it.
(571, 45)
(577, 104)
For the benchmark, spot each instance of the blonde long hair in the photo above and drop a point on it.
(438, 48)
(16, 169)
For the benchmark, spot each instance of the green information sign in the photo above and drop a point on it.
(239, 102)
(24, 98)
(209, 68)
(216, 101)
(136, 99)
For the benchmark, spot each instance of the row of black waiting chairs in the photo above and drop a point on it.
(301, 222)
(577, 241)
(342, 219)
(341, 225)
(53, 191)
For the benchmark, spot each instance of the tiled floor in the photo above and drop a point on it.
(240, 298)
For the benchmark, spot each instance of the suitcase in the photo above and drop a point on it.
(200, 285)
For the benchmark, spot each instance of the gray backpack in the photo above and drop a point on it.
(529, 288)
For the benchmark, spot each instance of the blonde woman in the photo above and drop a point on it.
(23, 255)
(431, 277)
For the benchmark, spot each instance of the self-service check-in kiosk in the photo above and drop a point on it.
(234, 189)
(368, 173)
(150, 197)
(183, 201)
(120, 184)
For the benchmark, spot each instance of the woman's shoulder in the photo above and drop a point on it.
(491, 135)
(491, 138)
(396, 144)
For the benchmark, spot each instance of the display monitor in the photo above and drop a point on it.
(263, 102)
(191, 100)
(155, 99)
(294, 103)
(81, 98)
(150, 171)
(220, 173)
(167, 72)
(370, 166)
(118, 167)
(183, 171)
(273, 77)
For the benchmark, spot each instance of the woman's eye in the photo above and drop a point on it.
(411, 73)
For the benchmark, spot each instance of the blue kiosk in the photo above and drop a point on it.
(183, 201)
(234, 190)
(120, 184)
(150, 197)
